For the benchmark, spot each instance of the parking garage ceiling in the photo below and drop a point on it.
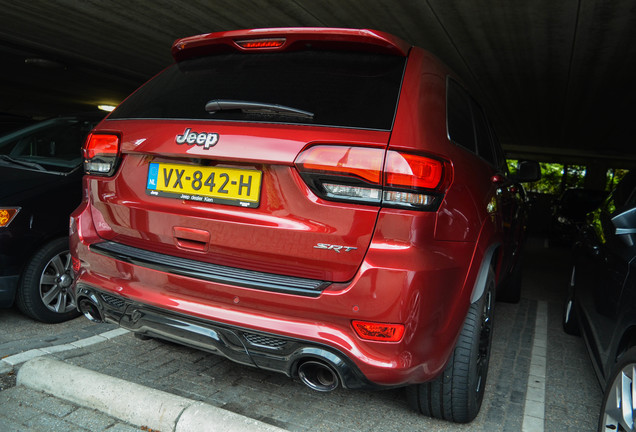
(558, 77)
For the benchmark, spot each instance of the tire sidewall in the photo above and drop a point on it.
(629, 357)
(28, 298)
(476, 397)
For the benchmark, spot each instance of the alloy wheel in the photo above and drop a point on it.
(55, 284)
(618, 413)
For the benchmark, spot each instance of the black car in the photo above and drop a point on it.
(41, 175)
(601, 302)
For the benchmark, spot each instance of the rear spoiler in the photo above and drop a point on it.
(289, 39)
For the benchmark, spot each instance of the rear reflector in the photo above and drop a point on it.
(379, 331)
(76, 264)
(101, 154)
(261, 43)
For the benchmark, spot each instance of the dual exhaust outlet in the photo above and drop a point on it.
(316, 374)
(90, 310)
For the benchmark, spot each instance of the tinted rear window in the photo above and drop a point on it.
(459, 117)
(358, 90)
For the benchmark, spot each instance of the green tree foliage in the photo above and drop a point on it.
(555, 177)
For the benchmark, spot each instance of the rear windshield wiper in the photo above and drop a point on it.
(8, 158)
(216, 105)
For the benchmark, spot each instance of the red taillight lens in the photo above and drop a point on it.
(261, 43)
(404, 170)
(358, 162)
(378, 331)
(101, 154)
(362, 175)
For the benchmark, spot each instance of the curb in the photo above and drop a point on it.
(132, 403)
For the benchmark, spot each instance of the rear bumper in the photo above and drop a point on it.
(256, 349)
(427, 289)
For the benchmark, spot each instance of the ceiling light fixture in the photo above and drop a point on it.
(44, 63)
(107, 108)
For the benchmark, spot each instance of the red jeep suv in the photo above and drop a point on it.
(330, 204)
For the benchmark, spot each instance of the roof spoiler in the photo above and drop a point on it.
(289, 39)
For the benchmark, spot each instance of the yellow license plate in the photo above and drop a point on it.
(220, 185)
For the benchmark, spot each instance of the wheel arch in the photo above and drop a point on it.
(627, 341)
(39, 244)
(490, 259)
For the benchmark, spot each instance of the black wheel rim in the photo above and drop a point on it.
(485, 337)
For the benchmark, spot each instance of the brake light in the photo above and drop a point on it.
(261, 43)
(7, 214)
(343, 173)
(378, 331)
(405, 170)
(101, 154)
(374, 176)
(357, 162)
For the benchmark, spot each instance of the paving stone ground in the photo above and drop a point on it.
(572, 393)
(23, 409)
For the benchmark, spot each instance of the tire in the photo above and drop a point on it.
(570, 316)
(44, 290)
(456, 395)
(619, 403)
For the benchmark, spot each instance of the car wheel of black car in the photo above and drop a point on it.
(456, 395)
(570, 320)
(619, 402)
(44, 291)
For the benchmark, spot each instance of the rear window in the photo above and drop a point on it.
(358, 90)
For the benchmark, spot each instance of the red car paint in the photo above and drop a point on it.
(385, 264)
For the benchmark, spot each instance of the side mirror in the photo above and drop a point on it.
(625, 224)
(528, 171)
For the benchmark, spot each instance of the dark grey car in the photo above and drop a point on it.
(601, 304)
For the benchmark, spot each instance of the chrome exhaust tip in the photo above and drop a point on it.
(318, 376)
(90, 310)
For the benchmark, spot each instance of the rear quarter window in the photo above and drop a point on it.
(459, 117)
(358, 90)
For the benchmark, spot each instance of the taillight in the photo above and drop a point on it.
(343, 173)
(101, 154)
(413, 181)
(374, 176)
(405, 170)
(378, 331)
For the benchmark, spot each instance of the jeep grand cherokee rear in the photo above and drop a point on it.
(305, 201)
